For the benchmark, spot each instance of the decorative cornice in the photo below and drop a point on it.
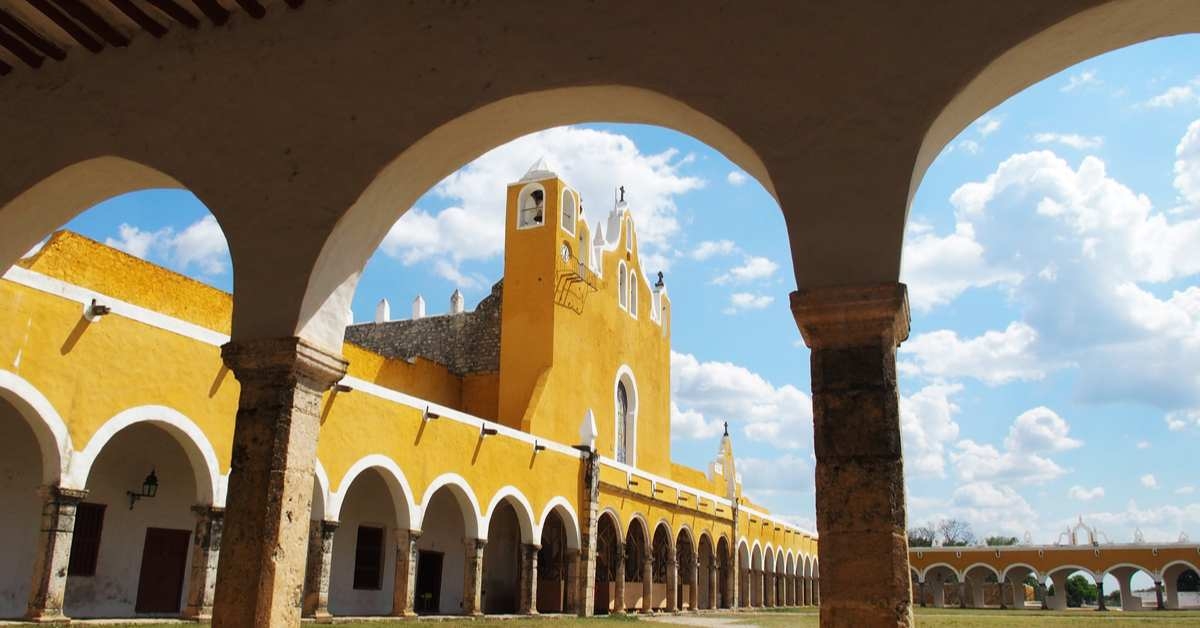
(852, 316)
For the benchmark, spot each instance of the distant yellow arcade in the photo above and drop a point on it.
(510, 459)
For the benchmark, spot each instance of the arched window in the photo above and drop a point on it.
(625, 432)
(622, 281)
(633, 293)
(568, 212)
(531, 207)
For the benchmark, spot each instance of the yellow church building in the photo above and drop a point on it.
(510, 459)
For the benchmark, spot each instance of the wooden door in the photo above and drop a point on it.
(164, 562)
(428, 591)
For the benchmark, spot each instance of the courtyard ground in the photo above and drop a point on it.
(937, 618)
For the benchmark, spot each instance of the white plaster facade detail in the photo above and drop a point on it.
(530, 531)
(399, 489)
(53, 438)
(461, 490)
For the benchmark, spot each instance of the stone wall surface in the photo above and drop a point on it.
(463, 343)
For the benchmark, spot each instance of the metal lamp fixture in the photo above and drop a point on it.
(149, 489)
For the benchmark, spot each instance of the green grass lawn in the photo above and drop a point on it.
(939, 618)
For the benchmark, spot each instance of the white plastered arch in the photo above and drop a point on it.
(531, 532)
(756, 556)
(393, 477)
(210, 484)
(53, 437)
(791, 563)
(322, 479)
(639, 519)
(474, 526)
(986, 566)
(566, 512)
(1071, 569)
(685, 530)
(663, 524)
(614, 517)
(1186, 563)
(924, 573)
(1004, 572)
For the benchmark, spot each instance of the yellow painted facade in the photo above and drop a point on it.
(566, 339)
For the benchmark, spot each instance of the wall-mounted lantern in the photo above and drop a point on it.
(343, 388)
(94, 311)
(429, 416)
(149, 489)
(538, 447)
(487, 431)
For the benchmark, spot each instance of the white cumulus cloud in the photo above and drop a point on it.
(723, 391)
(594, 162)
(1086, 78)
(1073, 140)
(743, 301)
(1149, 481)
(1082, 494)
(753, 268)
(995, 357)
(1176, 96)
(200, 246)
(927, 425)
(713, 248)
(736, 177)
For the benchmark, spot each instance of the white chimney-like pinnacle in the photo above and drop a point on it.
(457, 303)
(418, 307)
(588, 431)
(383, 311)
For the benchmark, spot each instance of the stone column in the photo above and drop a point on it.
(206, 549)
(756, 592)
(853, 332)
(49, 579)
(1041, 593)
(921, 593)
(962, 594)
(816, 591)
(574, 588)
(316, 573)
(585, 589)
(1158, 595)
(1000, 587)
(694, 592)
(733, 579)
(714, 581)
(672, 581)
(619, 581)
(768, 589)
(473, 577)
(1100, 606)
(648, 580)
(260, 582)
(404, 582)
(527, 597)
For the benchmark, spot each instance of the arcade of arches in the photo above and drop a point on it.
(382, 101)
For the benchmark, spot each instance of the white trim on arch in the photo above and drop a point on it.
(323, 488)
(987, 566)
(200, 452)
(924, 573)
(1187, 563)
(1049, 573)
(474, 525)
(791, 563)
(406, 509)
(615, 517)
(570, 520)
(756, 550)
(530, 532)
(632, 401)
(47, 425)
(1004, 572)
(647, 531)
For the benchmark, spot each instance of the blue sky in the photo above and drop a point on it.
(1052, 255)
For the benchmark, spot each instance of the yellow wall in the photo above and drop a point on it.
(564, 341)
(90, 372)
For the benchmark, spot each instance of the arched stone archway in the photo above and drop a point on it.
(610, 566)
(637, 563)
(362, 578)
(707, 580)
(687, 573)
(558, 566)
(21, 476)
(131, 555)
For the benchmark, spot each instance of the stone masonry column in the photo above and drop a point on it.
(473, 577)
(260, 579)
(49, 580)
(571, 599)
(694, 593)
(527, 596)
(619, 582)
(768, 589)
(584, 589)
(756, 580)
(648, 580)
(316, 574)
(206, 549)
(1158, 595)
(404, 584)
(1100, 594)
(714, 581)
(672, 580)
(853, 333)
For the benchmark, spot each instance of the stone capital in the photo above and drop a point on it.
(209, 511)
(62, 495)
(852, 316)
(283, 358)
